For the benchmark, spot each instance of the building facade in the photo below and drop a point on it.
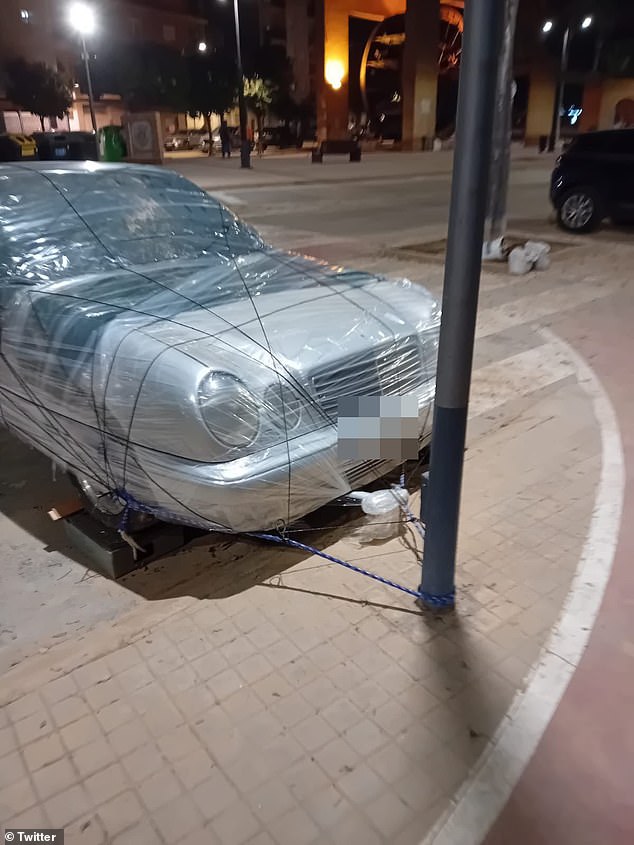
(39, 30)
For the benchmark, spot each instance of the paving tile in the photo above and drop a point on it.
(92, 674)
(193, 768)
(129, 736)
(313, 733)
(141, 834)
(361, 784)
(86, 830)
(159, 788)
(296, 826)
(254, 668)
(102, 694)
(305, 778)
(291, 709)
(235, 825)
(81, 732)
(365, 737)
(142, 762)
(123, 658)
(389, 814)
(177, 818)
(12, 769)
(69, 710)
(59, 689)
(327, 807)
(31, 818)
(66, 806)
(337, 758)
(54, 778)
(113, 715)
(271, 801)
(353, 828)
(92, 757)
(120, 813)
(209, 665)
(105, 784)
(43, 751)
(27, 730)
(16, 798)
(24, 706)
(178, 743)
(214, 795)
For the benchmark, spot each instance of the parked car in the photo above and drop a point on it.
(154, 347)
(594, 179)
(279, 136)
(182, 141)
(234, 132)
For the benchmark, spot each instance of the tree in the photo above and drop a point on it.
(259, 96)
(37, 88)
(212, 88)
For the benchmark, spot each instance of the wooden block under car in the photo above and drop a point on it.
(109, 555)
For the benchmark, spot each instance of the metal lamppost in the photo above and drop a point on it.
(474, 132)
(82, 19)
(245, 146)
(555, 133)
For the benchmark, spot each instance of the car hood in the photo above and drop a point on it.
(303, 313)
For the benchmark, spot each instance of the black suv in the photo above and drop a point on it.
(594, 179)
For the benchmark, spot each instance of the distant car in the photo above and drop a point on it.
(154, 347)
(182, 141)
(279, 136)
(594, 180)
(234, 132)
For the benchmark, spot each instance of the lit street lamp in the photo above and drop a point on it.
(547, 27)
(82, 19)
(202, 46)
(245, 147)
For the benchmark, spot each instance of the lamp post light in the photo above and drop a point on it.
(82, 19)
(245, 146)
(202, 46)
(547, 26)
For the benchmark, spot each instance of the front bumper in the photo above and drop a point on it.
(280, 484)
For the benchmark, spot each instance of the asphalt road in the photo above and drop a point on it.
(388, 198)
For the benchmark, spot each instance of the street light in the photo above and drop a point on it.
(245, 147)
(202, 46)
(82, 19)
(547, 26)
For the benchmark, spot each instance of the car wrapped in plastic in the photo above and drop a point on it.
(174, 364)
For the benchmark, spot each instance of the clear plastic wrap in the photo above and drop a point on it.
(153, 346)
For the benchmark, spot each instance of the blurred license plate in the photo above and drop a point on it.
(60, 152)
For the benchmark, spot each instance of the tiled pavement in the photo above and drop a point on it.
(273, 698)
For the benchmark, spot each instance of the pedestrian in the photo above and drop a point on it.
(225, 139)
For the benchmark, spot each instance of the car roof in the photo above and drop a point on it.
(606, 133)
(75, 166)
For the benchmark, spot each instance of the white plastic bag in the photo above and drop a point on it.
(383, 514)
(519, 265)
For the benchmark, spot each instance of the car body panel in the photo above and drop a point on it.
(603, 162)
(124, 288)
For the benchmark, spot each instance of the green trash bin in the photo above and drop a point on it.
(111, 143)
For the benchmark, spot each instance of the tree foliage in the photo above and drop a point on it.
(37, 88)
(213, 86)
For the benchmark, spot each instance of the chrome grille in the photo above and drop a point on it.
(389, 370)
(366, 471)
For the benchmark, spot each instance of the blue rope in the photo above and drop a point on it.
(434, 601)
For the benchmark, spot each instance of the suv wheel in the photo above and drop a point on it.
(580, 211)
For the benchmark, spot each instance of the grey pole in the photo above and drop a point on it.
(495, 222)
(562, 83)
(245, 147)
(559, 95)
(91, 101)
(476, 103)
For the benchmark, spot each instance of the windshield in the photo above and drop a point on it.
(57, 224)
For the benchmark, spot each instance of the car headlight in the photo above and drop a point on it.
(230, 412)
(283, 407)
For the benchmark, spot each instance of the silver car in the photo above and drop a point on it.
(174, 364)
